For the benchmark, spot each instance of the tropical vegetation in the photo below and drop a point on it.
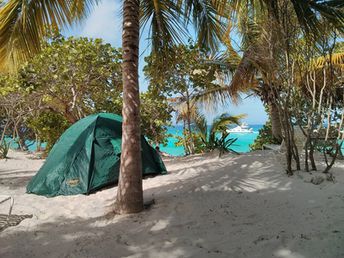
(190, 73)
(291, 57)
(70, 79)
(281, 43)
(264, 137)
(23, 25)
(217, 136)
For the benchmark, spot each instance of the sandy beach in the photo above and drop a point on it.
(233, 206)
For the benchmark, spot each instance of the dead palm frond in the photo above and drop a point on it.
(335, 60)
(185, 112)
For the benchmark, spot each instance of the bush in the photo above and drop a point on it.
(224, 144)
(185, 141)
(264, 137)
(49, 126)
(4, 149)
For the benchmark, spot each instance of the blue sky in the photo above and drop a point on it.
(105, 22)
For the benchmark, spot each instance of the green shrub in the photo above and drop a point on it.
(49, 126)
(185, 141)
(264, 137)
(4, 149)
(224, 144)
(207, 139)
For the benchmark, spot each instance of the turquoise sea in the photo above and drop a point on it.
(241, 145)
(32, 147)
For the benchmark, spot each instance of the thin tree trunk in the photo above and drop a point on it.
(308, 146)
(4, 132)
(311, 155)
(129, 193)
(289, 153)
(38, 143)
(276, 126)
(21, 142)
(307, 133)
(295, 150)
(187, 151)
(329, 165)
(287, 137)
(306, 155)
(191, 143)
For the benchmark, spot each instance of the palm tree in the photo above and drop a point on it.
(186, 112)
(260, 54)
(129, 192)
(258, 22)
(219, 126)
(24, 24)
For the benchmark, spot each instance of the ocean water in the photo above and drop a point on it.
(32, 146)
(242, 144)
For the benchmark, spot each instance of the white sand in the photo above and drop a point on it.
(235, 206)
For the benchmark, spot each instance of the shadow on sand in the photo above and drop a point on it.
(214, 209)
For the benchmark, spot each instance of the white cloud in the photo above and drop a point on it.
(104, 22)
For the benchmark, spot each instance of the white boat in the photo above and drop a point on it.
(243, 128)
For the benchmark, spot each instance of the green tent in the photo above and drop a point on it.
(87, 158)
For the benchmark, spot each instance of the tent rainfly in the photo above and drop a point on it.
(87, 158)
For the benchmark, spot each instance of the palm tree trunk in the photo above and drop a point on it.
(129, 193)
(191, 144)
(275, 122)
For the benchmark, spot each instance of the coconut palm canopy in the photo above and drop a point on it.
(25, 23)
(254, 20)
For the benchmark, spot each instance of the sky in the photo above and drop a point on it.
(105, 22)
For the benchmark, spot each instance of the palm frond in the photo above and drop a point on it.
(201, 125)
(217, 94)
(166, 26)
(182, 111)
(336, 60)
(309, 14)
(241, 71)
(219, 125)
(256, 60)
(244, 77)
(208, 19)
(220, 92)
(230, 56)
(224, 120)
(24, 23)
(169, 21)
